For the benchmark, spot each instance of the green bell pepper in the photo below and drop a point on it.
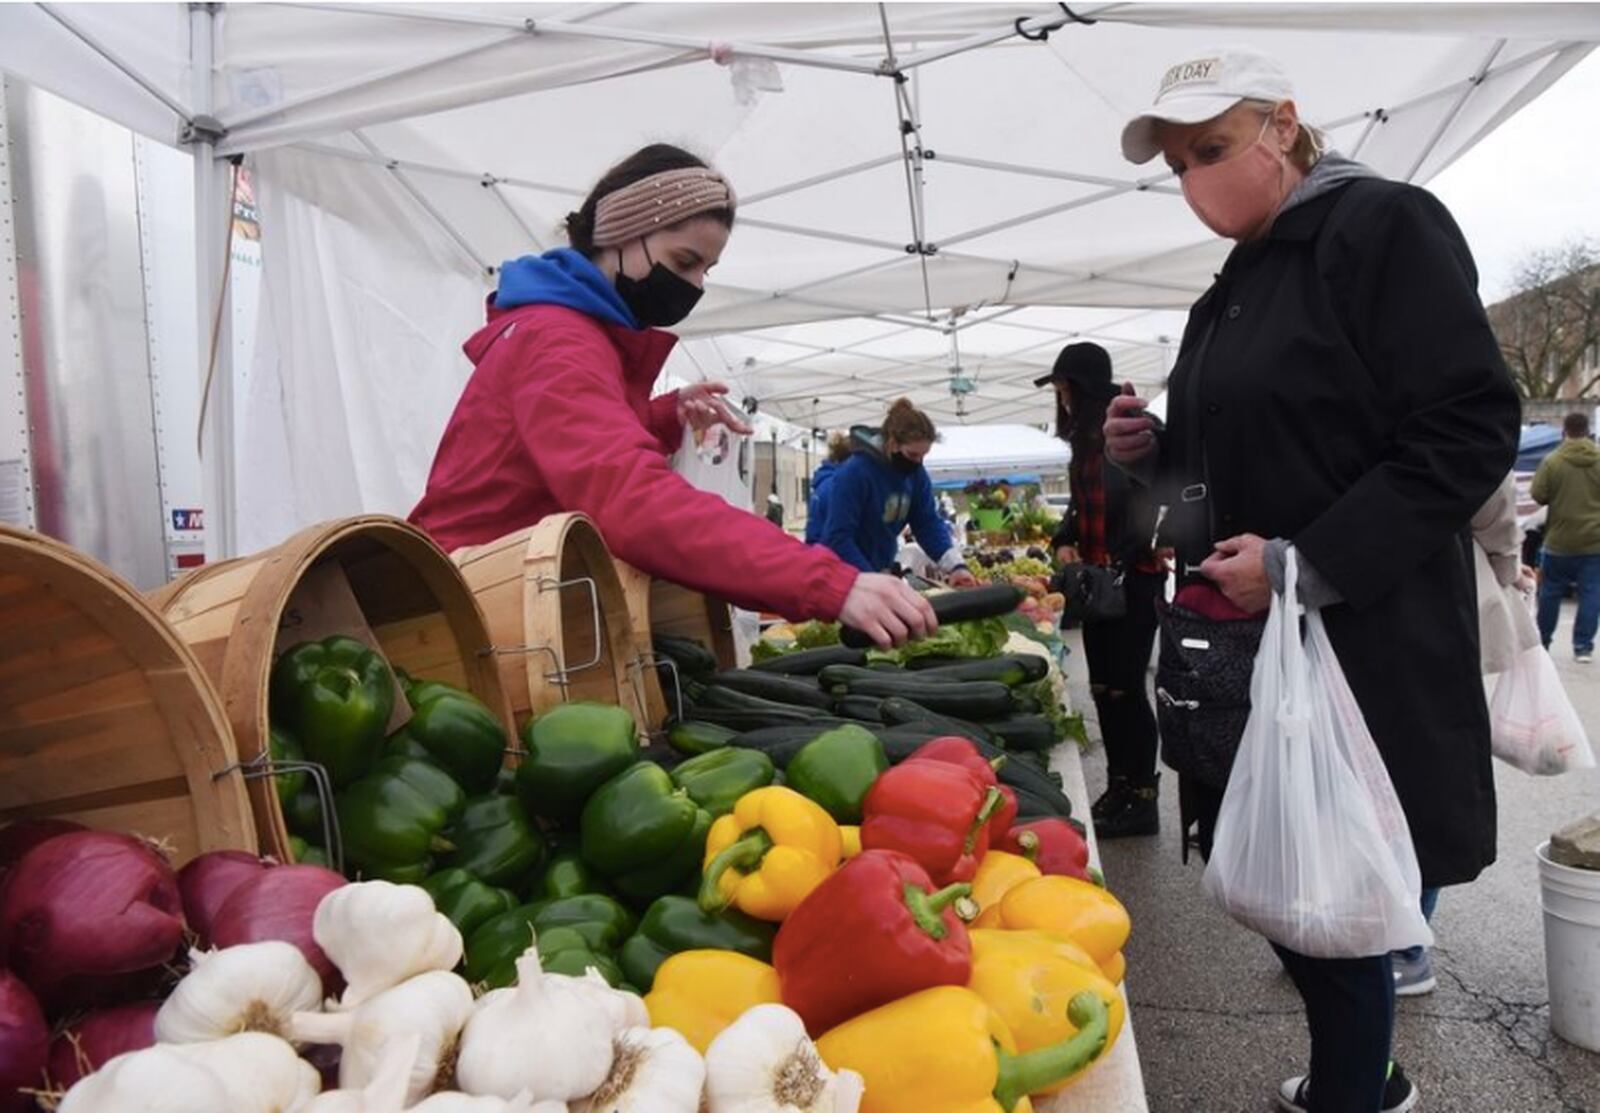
(493, 949)
(573, 749)
(495, 842)
(281, 746)
(392, 821)
(636, 819)
(466, 901)
(302, 813)
(336, 697)
(717, 779)
(677, 870)
(564, 951)
(676, 923)
(836, 768)
(402, 743)
(458, 733)
(567, 875)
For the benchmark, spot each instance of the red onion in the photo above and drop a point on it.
(280, 904)
(207, 882)
(85, 915)
(24, 1040)
(87, 1046)
(16, 839)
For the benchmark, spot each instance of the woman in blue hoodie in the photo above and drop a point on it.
(882, 488)
(821, 481)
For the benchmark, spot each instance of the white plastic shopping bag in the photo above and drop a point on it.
(1312, 849)
(1532, 724)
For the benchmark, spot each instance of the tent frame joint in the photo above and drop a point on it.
(202, 128)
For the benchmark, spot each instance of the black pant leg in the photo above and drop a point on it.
(1118, 654)
(1350, 1012)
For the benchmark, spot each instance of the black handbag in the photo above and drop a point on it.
(1093, 593)
(1205, 664)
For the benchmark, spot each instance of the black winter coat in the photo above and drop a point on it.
(1352, 399)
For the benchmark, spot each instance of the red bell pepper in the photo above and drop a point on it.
(872, 933)
(956, 750)
(1053, 845)
(936, 813)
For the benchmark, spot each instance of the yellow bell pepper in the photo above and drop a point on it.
(699, 993)
(997, 875)
(1083, 912)
(768, 854)
(945, 1050)
(1028, 977)
(851, 839)
(1114, 968)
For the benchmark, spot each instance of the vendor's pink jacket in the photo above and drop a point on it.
(558, 416)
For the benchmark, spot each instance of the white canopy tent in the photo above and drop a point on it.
(932, 197)
(995, 452)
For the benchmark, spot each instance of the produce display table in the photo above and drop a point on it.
(1116, 1083)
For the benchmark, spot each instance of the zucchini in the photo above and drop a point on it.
(782, 742)
(1025, 732)
(968, 699)
(897, 710)
(1012, 669)
(744, 719)
(692, 737)
(807, 662)
(731, 699)
(692, 658)
(955, 606)
(800, 691)
(836, 677)
(868, 709)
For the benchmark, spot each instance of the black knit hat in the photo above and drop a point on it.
(1085, 365)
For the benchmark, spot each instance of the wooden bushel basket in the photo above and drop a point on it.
(662, 607)
(106, 717)
(557, 617)
(416, 603)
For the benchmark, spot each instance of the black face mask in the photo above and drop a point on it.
(661, 298)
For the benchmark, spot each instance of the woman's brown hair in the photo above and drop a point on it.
(654, 159)
(905, 424)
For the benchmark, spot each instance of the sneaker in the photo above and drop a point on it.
(1399, 1094)
(1139, 815)
(1112, 799)
(1413, 977)
(1585, 657)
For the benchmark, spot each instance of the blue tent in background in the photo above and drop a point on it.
(1537, 442)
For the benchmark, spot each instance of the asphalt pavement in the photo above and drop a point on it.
(1219, 1025)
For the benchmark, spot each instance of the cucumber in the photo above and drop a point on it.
(730, 699)
(865, 708)
(1012, 670)
(833, 678)
(692, 658)
(897, 711)
(956, 606)
(780, 743)
(807, 662)
(1028, 705)
(800, 691)
(692, 737)
(1024, 732)
(744, 719)
(900, 742)
(968, 699)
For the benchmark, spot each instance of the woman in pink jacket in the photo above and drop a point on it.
(558, 416)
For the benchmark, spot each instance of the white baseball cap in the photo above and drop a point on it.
(1202, 88)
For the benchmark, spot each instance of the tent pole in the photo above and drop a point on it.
(425, 205)
(1025, 27)
(820, 179)
(499, 195)
(1153, 184)
(213, 206)
(1476, 80)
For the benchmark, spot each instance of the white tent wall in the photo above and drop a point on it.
(470, 129)
(995, 451)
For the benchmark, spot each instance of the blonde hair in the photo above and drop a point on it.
(1310, 144)
(838, 448)
(905, 424)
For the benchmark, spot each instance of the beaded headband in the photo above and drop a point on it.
(657, 202)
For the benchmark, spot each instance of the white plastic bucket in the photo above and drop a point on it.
(1571, 901)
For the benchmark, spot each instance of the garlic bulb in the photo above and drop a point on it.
(625, 1009)
(254, 987)
(155, 1080)
(386, 1093)
(465, 1103)
(259, 1073)
(548, 1036)
(653, 1070)
(433, 1007)
(379, 934)
(765, 1063)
